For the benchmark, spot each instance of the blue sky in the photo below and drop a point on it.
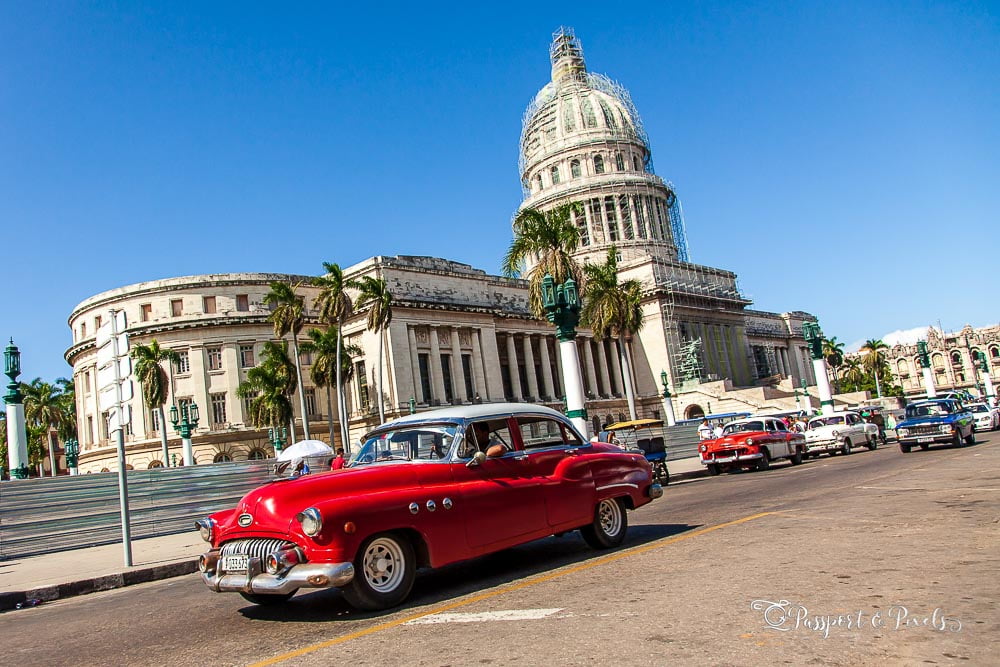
(841, 158)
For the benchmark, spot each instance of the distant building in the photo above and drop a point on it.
(460, 335)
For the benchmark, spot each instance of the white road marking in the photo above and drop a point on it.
(485, 616)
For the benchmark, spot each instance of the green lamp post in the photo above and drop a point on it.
(278, 436)
(925, 367)
(562, 308)
(984, 369)
(814, 338)
(413, 405)
(17, 435)
(668, 402)
(72, 449)
(185, 422)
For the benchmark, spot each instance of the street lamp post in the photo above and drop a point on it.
(185, 423)
(72, 449)
(668, 403)
(17, 435)
(810, 331)
(798, 400)
(806, 399)
(925, 365)
(562, 306)
(278, 436)
(987, 378)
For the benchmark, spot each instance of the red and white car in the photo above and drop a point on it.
(424, 491)
(752, 443)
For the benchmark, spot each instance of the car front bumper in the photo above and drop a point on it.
(827, 445)
(255, 580)
(926, 439)
(732, 459)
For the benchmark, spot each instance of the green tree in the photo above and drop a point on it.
(853, 373)
(613, 308)
(44, 410)
(288, 317)
(269, 387)
(550, 238)
(323, 346)
(335, 306)
(155, 382)
(376, 297)
(874, 360)
(38, 435)
(833, 352)
(67, 396)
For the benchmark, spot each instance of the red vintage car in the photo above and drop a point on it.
(752, 443)
(424, 491)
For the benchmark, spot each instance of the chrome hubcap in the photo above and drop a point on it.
(610, 517)
(383, 564)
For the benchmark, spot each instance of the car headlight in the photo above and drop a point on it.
(311, 521)
(749, 441)
(704, 448)
(834, 433)
(902, 432)
(206, 527)
(947, 428)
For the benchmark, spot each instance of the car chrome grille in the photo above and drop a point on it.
(924, 430)
(254, 547)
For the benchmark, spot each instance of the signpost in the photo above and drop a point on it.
(114, 387)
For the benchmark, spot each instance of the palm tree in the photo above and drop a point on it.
(288, 317)
(833, 352)
(334, 304)
(613, 308)
(154, 382)
(874, 360)
(269, 387)
(853, 371)
(67, 396)
(550, 237)
(323, 345)
(44, 409)
(375, 294)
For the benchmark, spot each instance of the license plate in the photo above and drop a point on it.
(925, 439)
(236, 563)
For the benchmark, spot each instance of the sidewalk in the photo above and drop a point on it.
(65, 574)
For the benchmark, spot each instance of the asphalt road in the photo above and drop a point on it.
(873, 558)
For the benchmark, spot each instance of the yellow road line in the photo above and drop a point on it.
(505, 589)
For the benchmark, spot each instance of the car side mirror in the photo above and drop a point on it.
(478, 459)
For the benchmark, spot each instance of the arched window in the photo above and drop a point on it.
(635, 163)
(569, 117)
(222, 457)
(995, 352)
(538, 181)
(574, 169)
(598, 164)
(609, 118)
(256, 454)
(956, 358)
(155, 464)
(619, 162)
(694, 412)
(589, 119)
(555, 175)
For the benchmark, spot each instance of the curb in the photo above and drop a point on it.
(109, 582)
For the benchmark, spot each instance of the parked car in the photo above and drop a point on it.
(423, 491)
(839, 433)
(935, 420)
(987, 418)
(752, 443)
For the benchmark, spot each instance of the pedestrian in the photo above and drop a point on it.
(717, 431)
(704, 430)
(338, 461)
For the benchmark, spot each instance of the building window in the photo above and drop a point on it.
(555, 175)
(176, 307)
(609, 209)
(154, 420)
(640, 217)
(589, 119)
(310, 394)
(626, 216)
(581, 224)
(574, 169)
(956, 358)
(995, 352)
(598, 164)
(214, 358)
(467, 373)
(635, 163)
(246, 356)
(83, 329)
(257, 455)
(105, 425)
(218, 402)
(248, 406)
(423, 361)
(222, 457)
(90, 431)
(146, 312)
(208, 303)
(242, 303)
(449, 392)
(306, 358)
(619, 162)
(97, 323)
(183, 362)
(569, 117)
(538, 180)
(362, 379)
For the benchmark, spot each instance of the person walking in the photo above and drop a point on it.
(338, 461)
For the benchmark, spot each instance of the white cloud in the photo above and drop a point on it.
(900, 336)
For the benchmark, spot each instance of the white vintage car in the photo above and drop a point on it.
(987, 418)
(839, 432)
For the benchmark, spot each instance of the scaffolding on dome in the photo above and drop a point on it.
(677, 224)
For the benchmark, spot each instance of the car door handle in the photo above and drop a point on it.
(520, 457)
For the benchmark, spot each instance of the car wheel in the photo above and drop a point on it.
(872, 443)
(905, 449)
(267, 599)
(714, 469)
(764, 462)
(845, 449)
(384, 570)
(957, 439)
(660, 473)
(971, 438)
(796, 458)
(609, 525)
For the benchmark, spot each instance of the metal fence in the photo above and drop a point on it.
(681, 441)
(61, 513)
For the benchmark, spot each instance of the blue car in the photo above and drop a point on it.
(936, 420)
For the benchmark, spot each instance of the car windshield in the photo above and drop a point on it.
(419, 442)
(928, 409)
(739, 427)
(820, 422)
(979, 408)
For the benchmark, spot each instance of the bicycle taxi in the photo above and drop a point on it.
(646, 435)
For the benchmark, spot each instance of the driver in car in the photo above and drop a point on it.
(486, 442)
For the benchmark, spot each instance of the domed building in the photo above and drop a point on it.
(459, 335)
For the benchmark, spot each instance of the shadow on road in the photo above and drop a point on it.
(468, 577)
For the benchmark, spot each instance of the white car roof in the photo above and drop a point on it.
(838, 413)
(460, 412)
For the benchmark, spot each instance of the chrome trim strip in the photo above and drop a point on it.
(612, 486)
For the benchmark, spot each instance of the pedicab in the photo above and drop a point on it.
(646, 435)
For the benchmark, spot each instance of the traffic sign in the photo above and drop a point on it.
(108, 398)
(106, 351)
(117, 324)
(113, 373)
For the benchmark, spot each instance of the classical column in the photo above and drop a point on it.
(616, 365)
(708, 347)
(602, 368)
(558, 385)
(478, 377)
(457, 368)
(724, 361)
(543, 348)
(415, 367)
(529, 368)
(515, 376)
(434, 367)
(588, 355)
